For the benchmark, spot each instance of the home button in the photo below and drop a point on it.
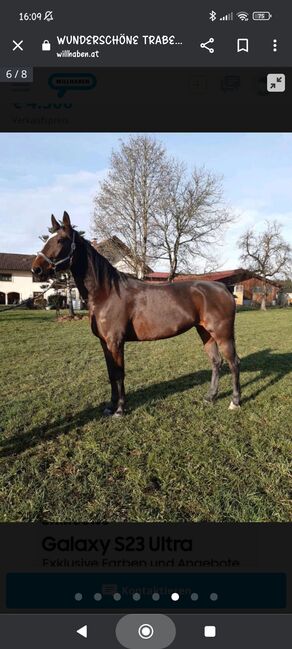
(145, 631)
(142, 630)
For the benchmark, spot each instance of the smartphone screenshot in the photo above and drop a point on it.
(145, 325)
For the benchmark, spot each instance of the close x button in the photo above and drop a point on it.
(153, 631)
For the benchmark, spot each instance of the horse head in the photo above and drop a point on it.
(58, 250)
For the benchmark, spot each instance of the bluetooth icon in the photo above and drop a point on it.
(212, 15)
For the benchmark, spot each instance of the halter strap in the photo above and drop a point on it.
(60, 261)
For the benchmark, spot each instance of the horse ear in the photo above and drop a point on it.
(66, 220)
(55, 225)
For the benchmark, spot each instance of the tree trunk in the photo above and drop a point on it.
(70, 304)
(171, 274)
(173, 267)
(264, 299)
(70, 301)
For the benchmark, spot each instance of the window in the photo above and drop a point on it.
(258, 289)
(5, 277)
(13, 297)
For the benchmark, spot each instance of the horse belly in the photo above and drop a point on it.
(156, 326)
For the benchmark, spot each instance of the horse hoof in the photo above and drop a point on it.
(233, 406)
(118, 414)
(108, 412)
(209, 400)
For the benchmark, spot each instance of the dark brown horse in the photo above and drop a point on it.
(125, 309)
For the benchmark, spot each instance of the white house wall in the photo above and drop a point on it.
(22, 283)
(123, 266)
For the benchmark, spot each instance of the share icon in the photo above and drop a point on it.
(211, 50)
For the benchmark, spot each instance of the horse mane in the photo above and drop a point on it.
(104, 271)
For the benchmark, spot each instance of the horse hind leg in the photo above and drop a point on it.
(211, 349)
(227, 347)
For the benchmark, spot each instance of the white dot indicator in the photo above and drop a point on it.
(210, 631)
(145, 631)
(175, 597)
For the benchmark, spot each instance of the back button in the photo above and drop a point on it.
(82, 631)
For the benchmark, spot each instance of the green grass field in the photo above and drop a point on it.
(172, 457)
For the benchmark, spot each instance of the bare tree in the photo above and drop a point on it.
(191, 218)
(161, 213)
(128, 199)
(267, 254)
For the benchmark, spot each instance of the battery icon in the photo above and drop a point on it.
(261, 15)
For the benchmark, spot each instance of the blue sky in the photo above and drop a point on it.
(53, 172)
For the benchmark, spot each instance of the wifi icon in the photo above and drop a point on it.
(243, 15)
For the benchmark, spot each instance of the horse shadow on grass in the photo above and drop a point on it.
(47, 431)
(52, 430)
(270, 367)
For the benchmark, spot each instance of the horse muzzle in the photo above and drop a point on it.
(39, 271)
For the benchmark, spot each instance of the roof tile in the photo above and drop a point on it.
(13, 261)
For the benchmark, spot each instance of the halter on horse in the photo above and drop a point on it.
(125, 309)
(55, 264)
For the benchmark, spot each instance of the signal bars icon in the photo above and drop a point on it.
(227, 16)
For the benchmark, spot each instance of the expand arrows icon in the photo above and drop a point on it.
(82, 631)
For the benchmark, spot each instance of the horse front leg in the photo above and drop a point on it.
(114, 357)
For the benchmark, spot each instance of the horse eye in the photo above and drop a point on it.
(60, 240)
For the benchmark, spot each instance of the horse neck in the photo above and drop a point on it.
(83, 271)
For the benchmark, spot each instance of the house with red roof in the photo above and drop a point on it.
(246, 286)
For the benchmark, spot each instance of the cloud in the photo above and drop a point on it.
(25, 214)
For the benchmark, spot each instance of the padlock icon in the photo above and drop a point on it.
(46, 46)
